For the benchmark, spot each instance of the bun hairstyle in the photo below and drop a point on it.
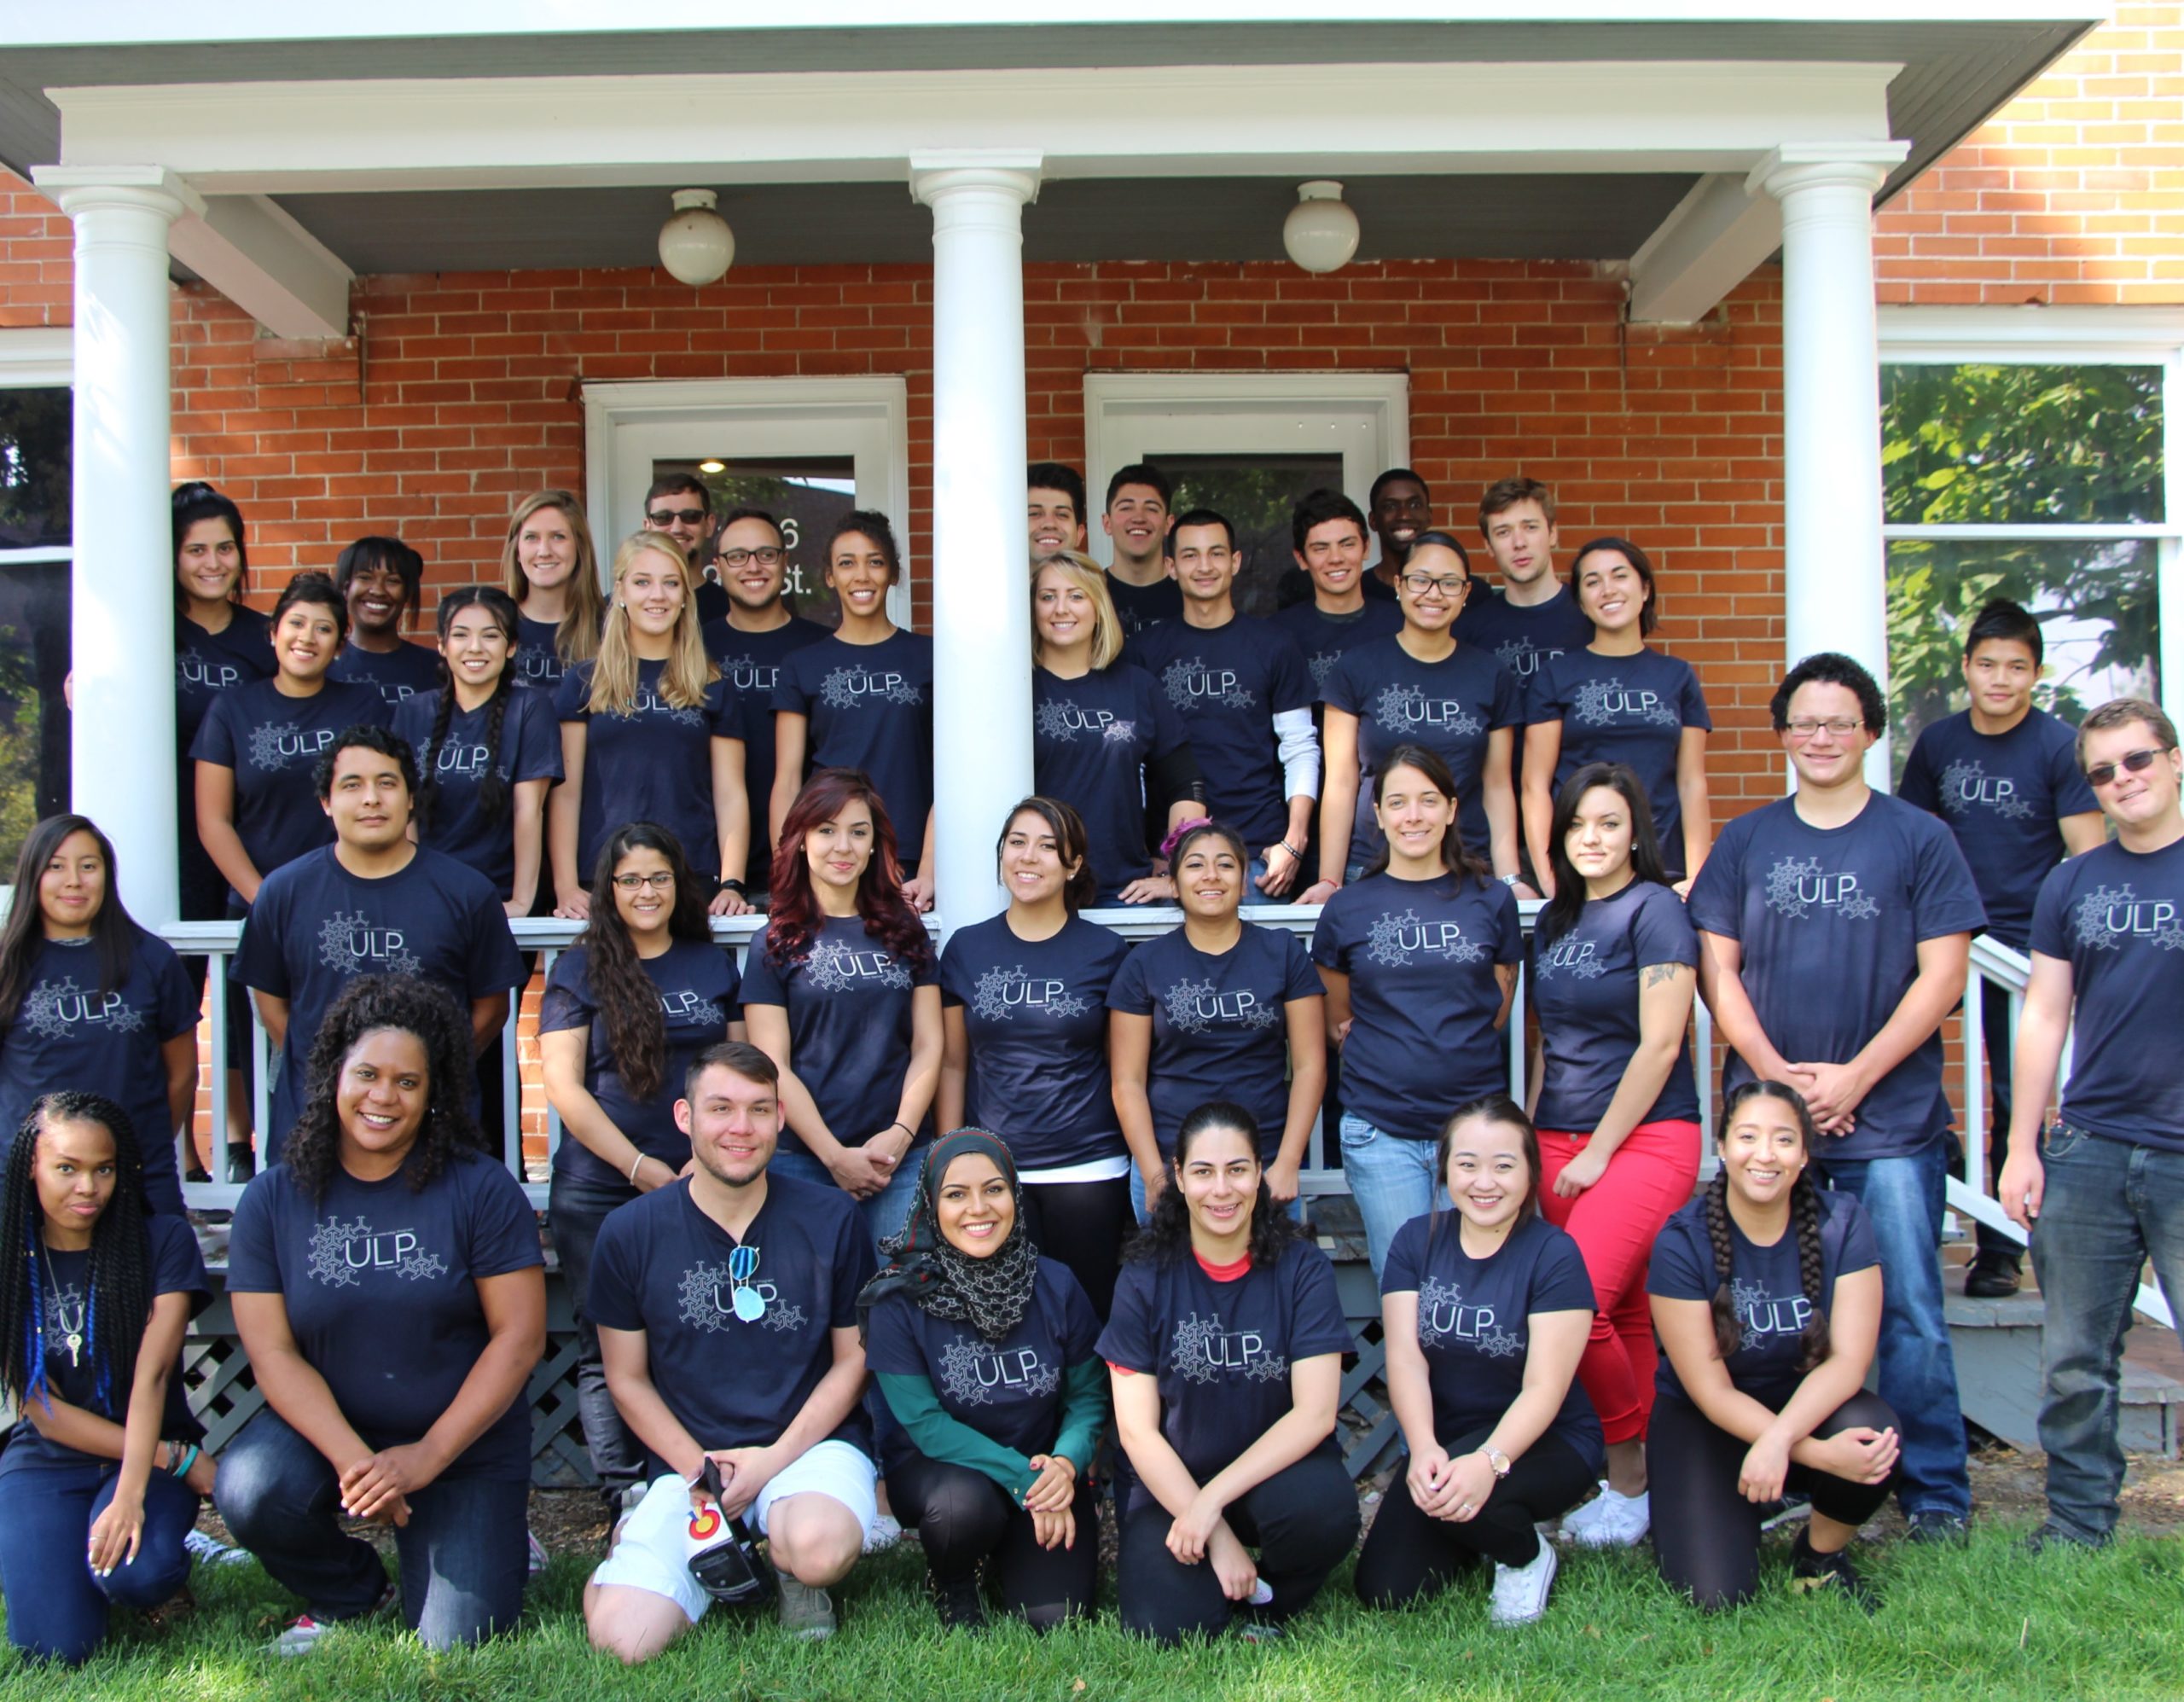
(1804, 1220)
(313, 587)
(1166, 1237)
(1183, 837)
(197, 501)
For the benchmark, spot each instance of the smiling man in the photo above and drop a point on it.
(1138, 521)
(1401, 506)
(1348, 607)
(1054, 501)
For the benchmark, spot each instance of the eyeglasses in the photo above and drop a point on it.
(2138, 762)
(1449, 584)
(766, 555)
(1805, 726)
(658, 883)
(689, 517)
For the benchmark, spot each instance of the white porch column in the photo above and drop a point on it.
(122, 759)
(981, 608)
(1835, 578)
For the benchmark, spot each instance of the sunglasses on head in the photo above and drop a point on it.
(2136, 762)
(689, 517)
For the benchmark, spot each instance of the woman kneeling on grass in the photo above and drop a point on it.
(94, 1294)
(984, 1352)
(1485, 1310)
(1767, 1298)
(1226, 1347)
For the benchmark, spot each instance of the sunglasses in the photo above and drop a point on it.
(689, 517)
(748, 1303)
(2137, 761)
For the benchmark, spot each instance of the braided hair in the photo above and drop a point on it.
(1166, 1237)
(1804, 1221)
(493, 791)
(628, 999)
(415, 1006)
(118, 1300)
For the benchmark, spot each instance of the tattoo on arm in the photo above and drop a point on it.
(1658, 974)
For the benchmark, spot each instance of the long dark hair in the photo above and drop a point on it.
(1070, 841)
(1454, 858)
(1486, 1108)
(415, 1006)
(1814, 1343)
(492, 788)
(197, 501)
(795, 919)
(1562, 910)
(1166, 1237)
(627, 998)
(114, 933)
(117, 1293)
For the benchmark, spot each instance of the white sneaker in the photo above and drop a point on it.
(208, 1552)
(885, 1531)
(307, 1634)
(1521, 1592)
(1611, 1521)
(807, 1613)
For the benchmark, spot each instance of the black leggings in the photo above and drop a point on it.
(1302, 1520)
(1705, 1533)
(963, 1517)
(1081, 1224)
(1409, 1554)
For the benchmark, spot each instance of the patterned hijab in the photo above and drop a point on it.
(991, 1295)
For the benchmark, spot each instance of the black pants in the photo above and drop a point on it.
(1410, 1553)
(963, 1517)
(1082, 1224)
(1705, 1533)
(1302, 1521)
(574, 1211)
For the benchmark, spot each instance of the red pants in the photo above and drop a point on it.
(1614, 1223)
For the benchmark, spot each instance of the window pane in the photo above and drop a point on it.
(1255, 494)
(808, 493)
(36, 449)
(2095, 602)
(34, 713)
(2003, 445)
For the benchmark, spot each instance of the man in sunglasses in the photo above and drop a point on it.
(726, 1304)
(2102, 1191)
(748, 643)
(679, 505)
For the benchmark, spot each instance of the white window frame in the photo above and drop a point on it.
(37, 358)
(2068, 336)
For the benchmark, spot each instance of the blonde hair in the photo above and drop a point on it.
(1086, 574)
(688, 672)
(577, 638)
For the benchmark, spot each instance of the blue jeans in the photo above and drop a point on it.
(1392, 1179)
(57, 1607)
(886, 1212)
(2109, 1206)
(1902, 1198)
(575, 1208)
(462, 1552)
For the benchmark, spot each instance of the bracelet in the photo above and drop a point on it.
(637, 1164)
(181, 1457)
(905, 1127)
(735, 887)
(1295, 855)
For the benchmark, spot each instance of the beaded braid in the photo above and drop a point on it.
(1812, 1271)
(492, 785)
(1729, 1334)
(429, 759)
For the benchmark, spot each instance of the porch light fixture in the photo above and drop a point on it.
(696, 245)
(1320, 232)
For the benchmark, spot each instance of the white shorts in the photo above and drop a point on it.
(650, 1553)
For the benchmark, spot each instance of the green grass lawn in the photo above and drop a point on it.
(1983, 1621)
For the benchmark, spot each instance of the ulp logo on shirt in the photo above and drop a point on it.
(650, 702)
(1002, 993)
(708, 1300)
(275, 745)
(470, 761)
(745, 675)
(855, 688)
(343, 1254)
(1192, 685)
(976, 1373)
(1203, 1348)
(53, 1007)
(1797, 886)
(685, 1006)
(1579, 958)
(1066, 721)
(1967, 786)
(352, 943)
(1395, 939)
(1601, 703)
(1443, 1317)
(838, 969)
(1760, 1314)
(1195, 1006)
(1403, 707)
(2108, 918)
(194, 672)
(1521, 657)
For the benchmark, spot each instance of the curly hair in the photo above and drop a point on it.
(414, 1006)
(795, 920)
(1814, 1343)
(1166, 1237)
(628, 999)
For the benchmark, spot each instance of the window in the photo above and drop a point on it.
(37, 454)
(2025, 454)
(810, 494)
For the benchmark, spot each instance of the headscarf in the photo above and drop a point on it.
(991, 1295)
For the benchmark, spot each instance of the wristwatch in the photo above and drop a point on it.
(1497, 1459)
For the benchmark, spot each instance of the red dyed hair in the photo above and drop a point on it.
(794, 917)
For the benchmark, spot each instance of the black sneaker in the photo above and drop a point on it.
(2052, 1539)
(1992, 1276)
(1937, 1525)
(960, 1604)
(1811, 1572)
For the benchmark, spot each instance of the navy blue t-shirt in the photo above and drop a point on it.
(1092, 740)
(1474, 1322)
(662, 1266)
(67, 1034)
(1624, 709)
(315, 928)
(2004, 796)
(1323, 640)
(537, 659)
(174, 1267)
(1138, 607)
(273, 743)
(750, 665)
(654, 763)
(849, 1002)
(381, 1289)
(206, 664)
(868, 706)
(1831, 919)
(1523, 638)
(697, 986)
(1585, 989)
(1226, 683)
(1421, 956)
(1009, 1391)
(1035, 1013)
(2116, 917)
(1767, 1289)
(396, 675)
(1449, 707)
(1219, 1024)
(1222, 1352)
(530, 749)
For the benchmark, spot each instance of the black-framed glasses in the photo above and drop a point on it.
(689, 517)
(660, 882)
(766, 555)
(1448, 584)
(1805, 726)
(2134, 762)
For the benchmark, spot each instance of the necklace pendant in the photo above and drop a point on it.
(75, 1345)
